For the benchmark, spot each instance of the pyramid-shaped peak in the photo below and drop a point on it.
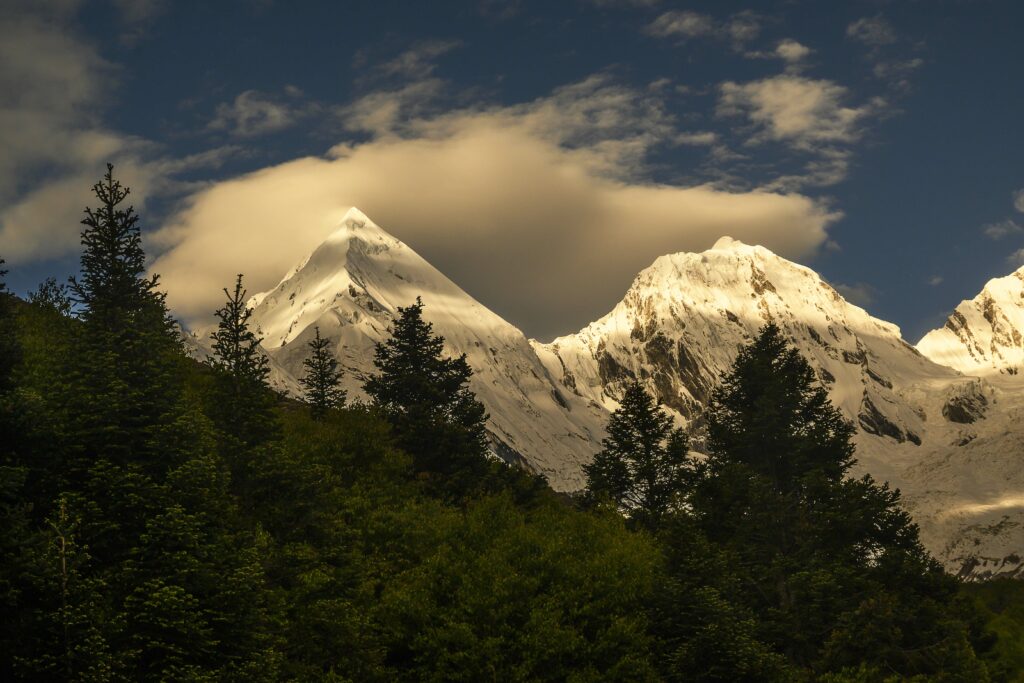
(356, 225)
(354, 215)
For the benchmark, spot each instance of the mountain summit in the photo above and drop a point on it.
(984, 335)
(683, 319)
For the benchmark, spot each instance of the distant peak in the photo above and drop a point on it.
(726, 243)
(355, 215)
(356, 224)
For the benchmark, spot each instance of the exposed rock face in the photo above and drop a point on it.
(874, 421)
(966, 402)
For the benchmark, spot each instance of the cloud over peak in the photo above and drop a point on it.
(557, 183)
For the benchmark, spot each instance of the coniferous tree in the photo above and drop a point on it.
(643, 468)
(242, 400)
(425, 396)
(816, 552)
(323, 378)
(128, 343)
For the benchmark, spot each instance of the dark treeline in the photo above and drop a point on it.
(170, 520)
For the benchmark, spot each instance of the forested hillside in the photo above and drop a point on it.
(166, 519)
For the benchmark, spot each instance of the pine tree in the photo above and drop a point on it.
(643, 467)
(242, 401)
(323, 378)
(816, 553)
(128, 344)
(426, 398)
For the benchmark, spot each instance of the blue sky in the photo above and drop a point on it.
(539, 153)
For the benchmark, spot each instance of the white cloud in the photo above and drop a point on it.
(796, 109)
(702, 138)
(935, 280)
(382, 112)
(742, 27)
(1001, 229)
(137, 16)
(682, 23)
(253, 113)
(810, 116)
(53, 88)
(791, 51)
(897, 71)
(553, 188)
(872, 31)
(418, 62)
(1018, 200)
(739, 29)
(1016, 258)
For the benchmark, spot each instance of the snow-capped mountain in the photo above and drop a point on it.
(985, 335)
(944, 438)
(351, 287)
(684, 318)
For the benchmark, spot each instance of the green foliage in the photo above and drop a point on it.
(54, 296)
(643, 468)
(426, 398)
(322, 379)
(703, 633)
(999, 603)
(501, 597)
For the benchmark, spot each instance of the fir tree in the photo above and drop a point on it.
(242, 401)
(426, 398)
(816, 552)
(323, 378)
(643, 467)
(128, 342)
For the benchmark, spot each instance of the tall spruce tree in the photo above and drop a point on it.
(128, 342)
(322, 380)
(643, 467)
(242, 401)
(816, 552)
(427, 400)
